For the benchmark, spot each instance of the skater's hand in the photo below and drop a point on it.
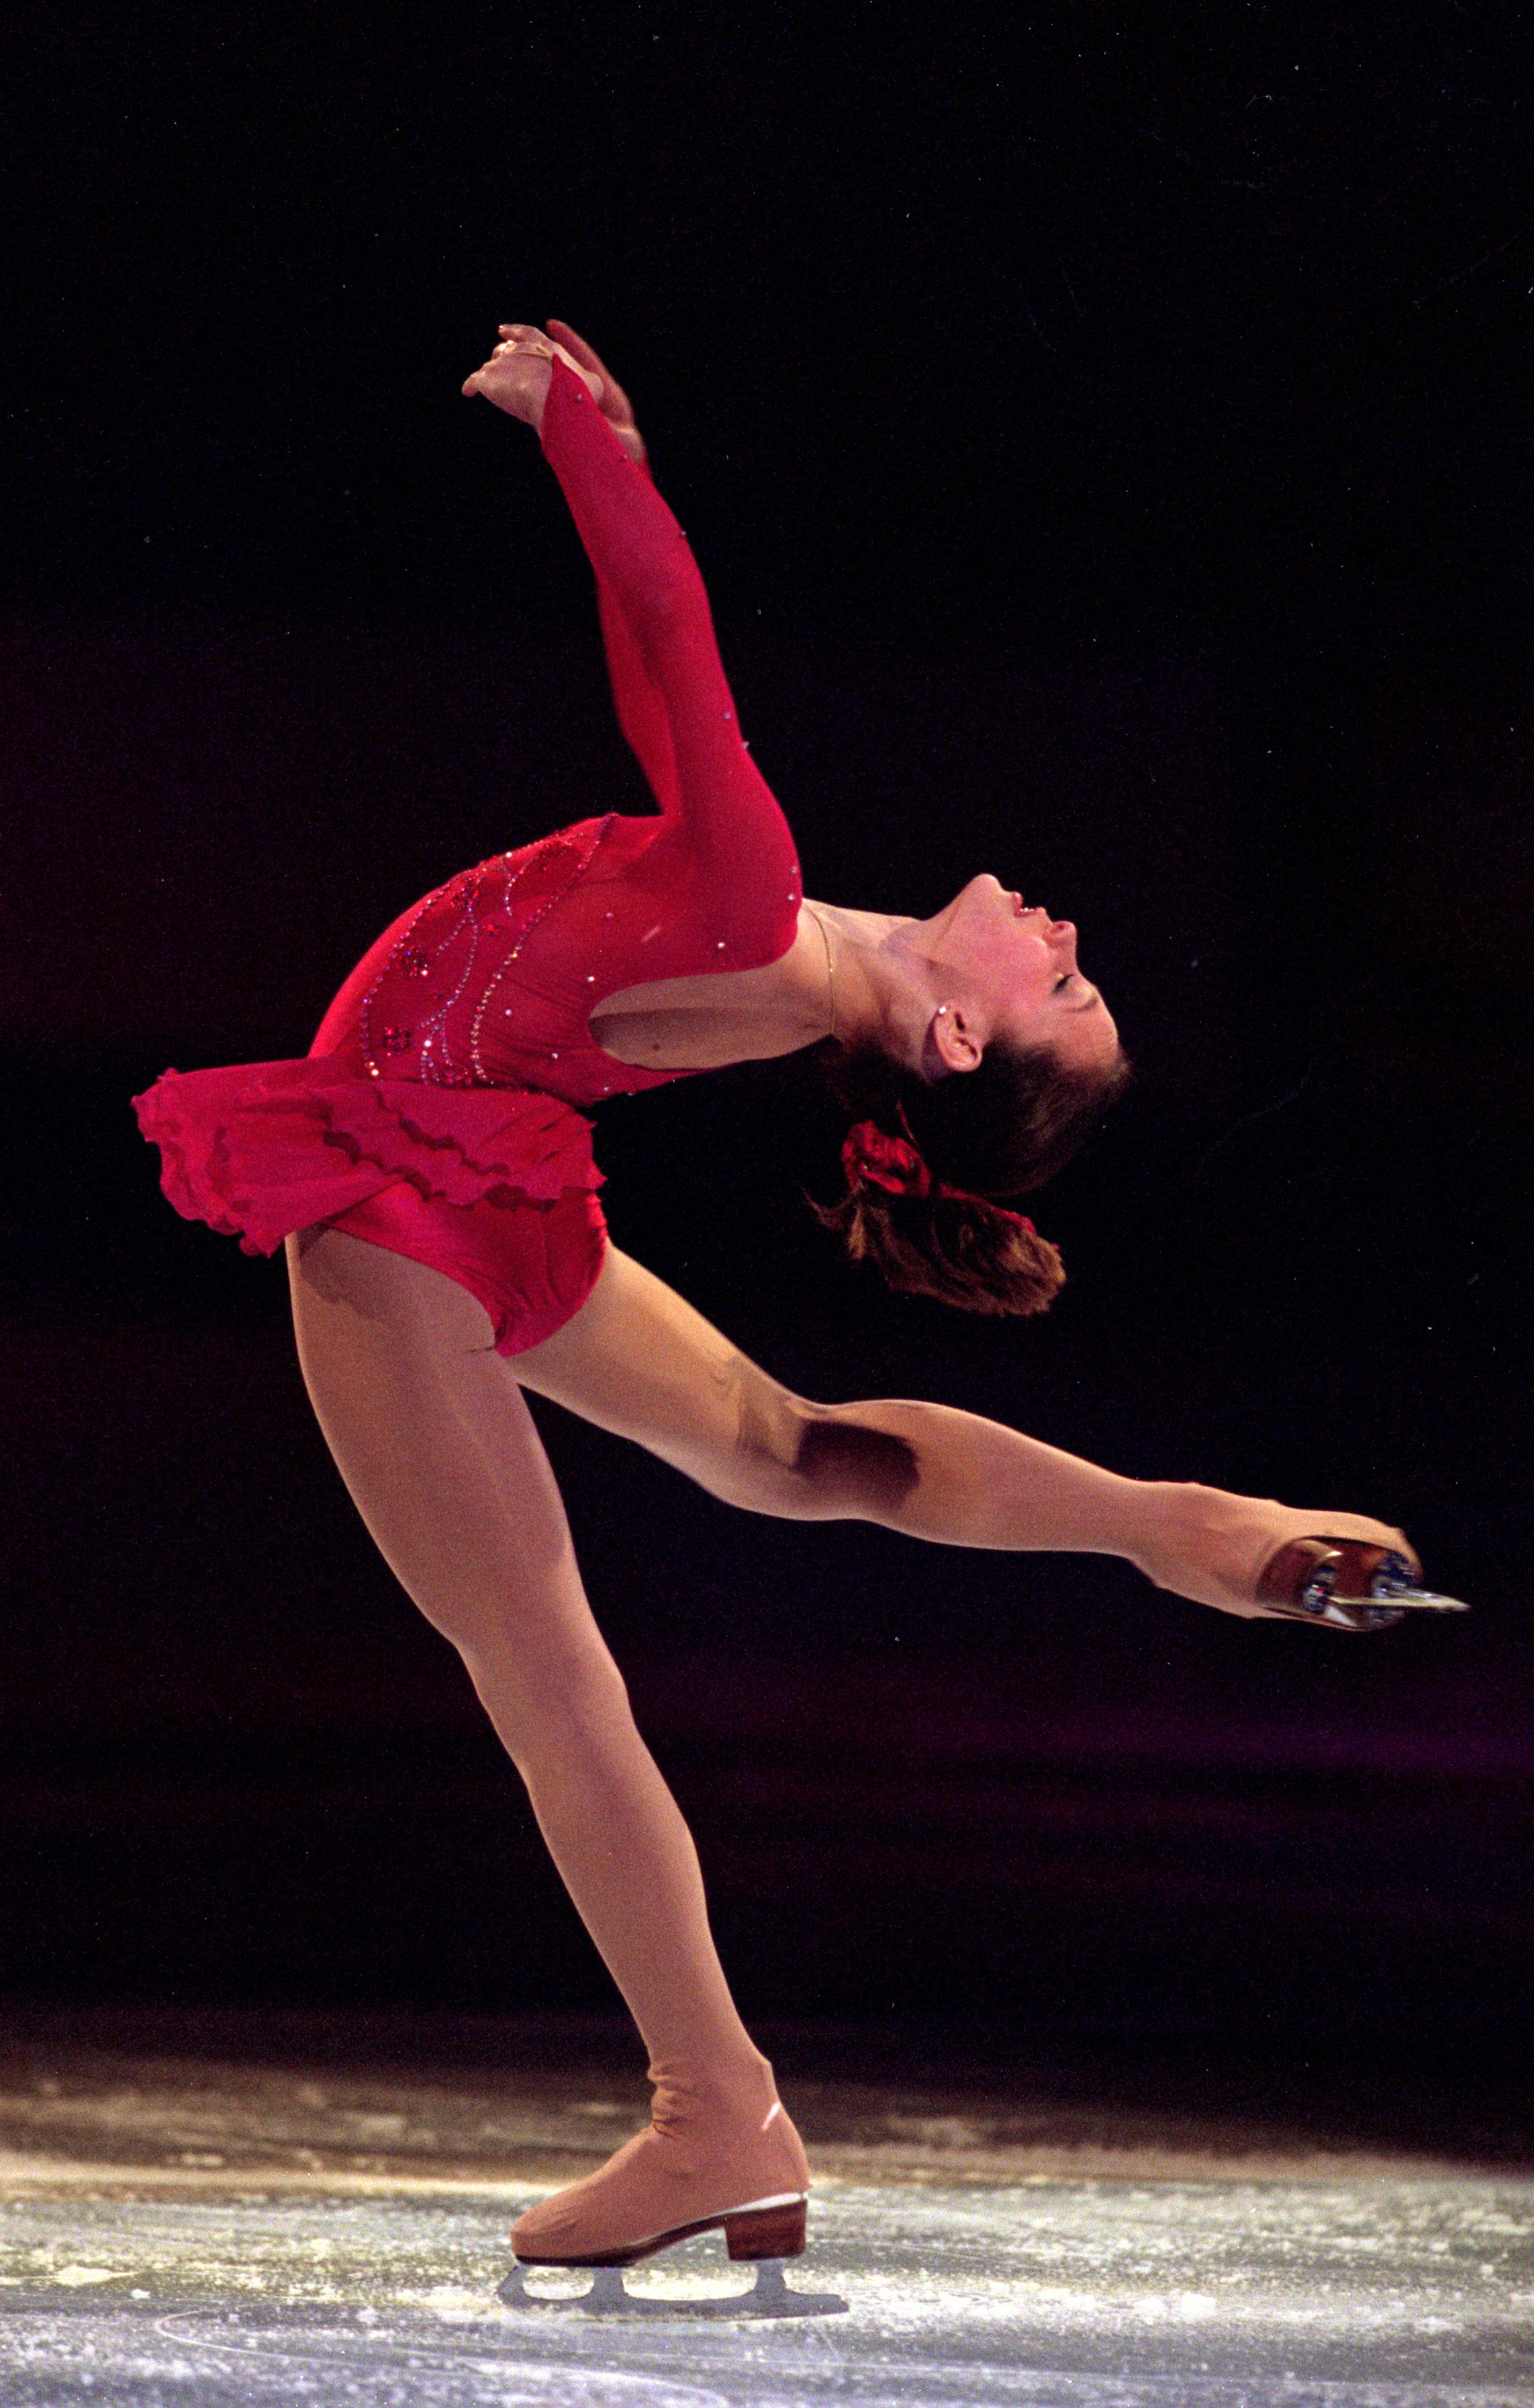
(615, 405)
(1211, 1546)
(517, 375)
(519, 371)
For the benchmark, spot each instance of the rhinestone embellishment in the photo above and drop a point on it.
(436, 1062)
(585, 854)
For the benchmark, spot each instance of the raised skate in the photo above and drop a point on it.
(1341, 1584)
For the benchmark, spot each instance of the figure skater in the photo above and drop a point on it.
(430, 1169)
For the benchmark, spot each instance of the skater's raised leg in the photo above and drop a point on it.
(638, 1360)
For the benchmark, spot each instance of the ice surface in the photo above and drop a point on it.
(1410, 2292)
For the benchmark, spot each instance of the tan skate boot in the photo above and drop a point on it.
(716, 2153)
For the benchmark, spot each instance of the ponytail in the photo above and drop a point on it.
(927, 1161)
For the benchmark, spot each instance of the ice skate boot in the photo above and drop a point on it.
(1343, 1585)
(703, 2164)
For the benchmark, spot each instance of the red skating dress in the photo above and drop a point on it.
(438, 1111)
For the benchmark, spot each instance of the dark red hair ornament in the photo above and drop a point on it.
(872, 1158)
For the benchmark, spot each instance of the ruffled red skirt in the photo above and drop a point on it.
(494, 1186)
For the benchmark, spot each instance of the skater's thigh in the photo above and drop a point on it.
(431, 1433)
(639, 1360)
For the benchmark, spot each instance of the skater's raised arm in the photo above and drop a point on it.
(636, 699)
(673, 700)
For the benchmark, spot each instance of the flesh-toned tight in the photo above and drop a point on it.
(433, 1440)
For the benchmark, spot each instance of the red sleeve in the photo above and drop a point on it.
(674, 706)
(640, 705)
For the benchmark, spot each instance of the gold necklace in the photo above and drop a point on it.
(830, 972)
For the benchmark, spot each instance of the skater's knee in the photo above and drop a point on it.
(827, 1462)
(850, 1466)
(550, 1696)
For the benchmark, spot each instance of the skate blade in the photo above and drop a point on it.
(1301, 1583)
(1382, 1607)
(609, 2296)
(1407, 1600)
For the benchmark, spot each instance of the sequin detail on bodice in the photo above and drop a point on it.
(423, 1015)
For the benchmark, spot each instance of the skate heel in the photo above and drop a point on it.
(766, 2231)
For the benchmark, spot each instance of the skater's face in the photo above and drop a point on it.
(1018, 976)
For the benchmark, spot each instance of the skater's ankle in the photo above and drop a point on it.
(741, 2091)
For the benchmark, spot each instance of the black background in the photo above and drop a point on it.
(1105, 435)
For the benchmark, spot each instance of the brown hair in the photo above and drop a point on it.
(1001, 1129)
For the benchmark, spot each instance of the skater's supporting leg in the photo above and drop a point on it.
(433, 1440)
(637, 1359)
